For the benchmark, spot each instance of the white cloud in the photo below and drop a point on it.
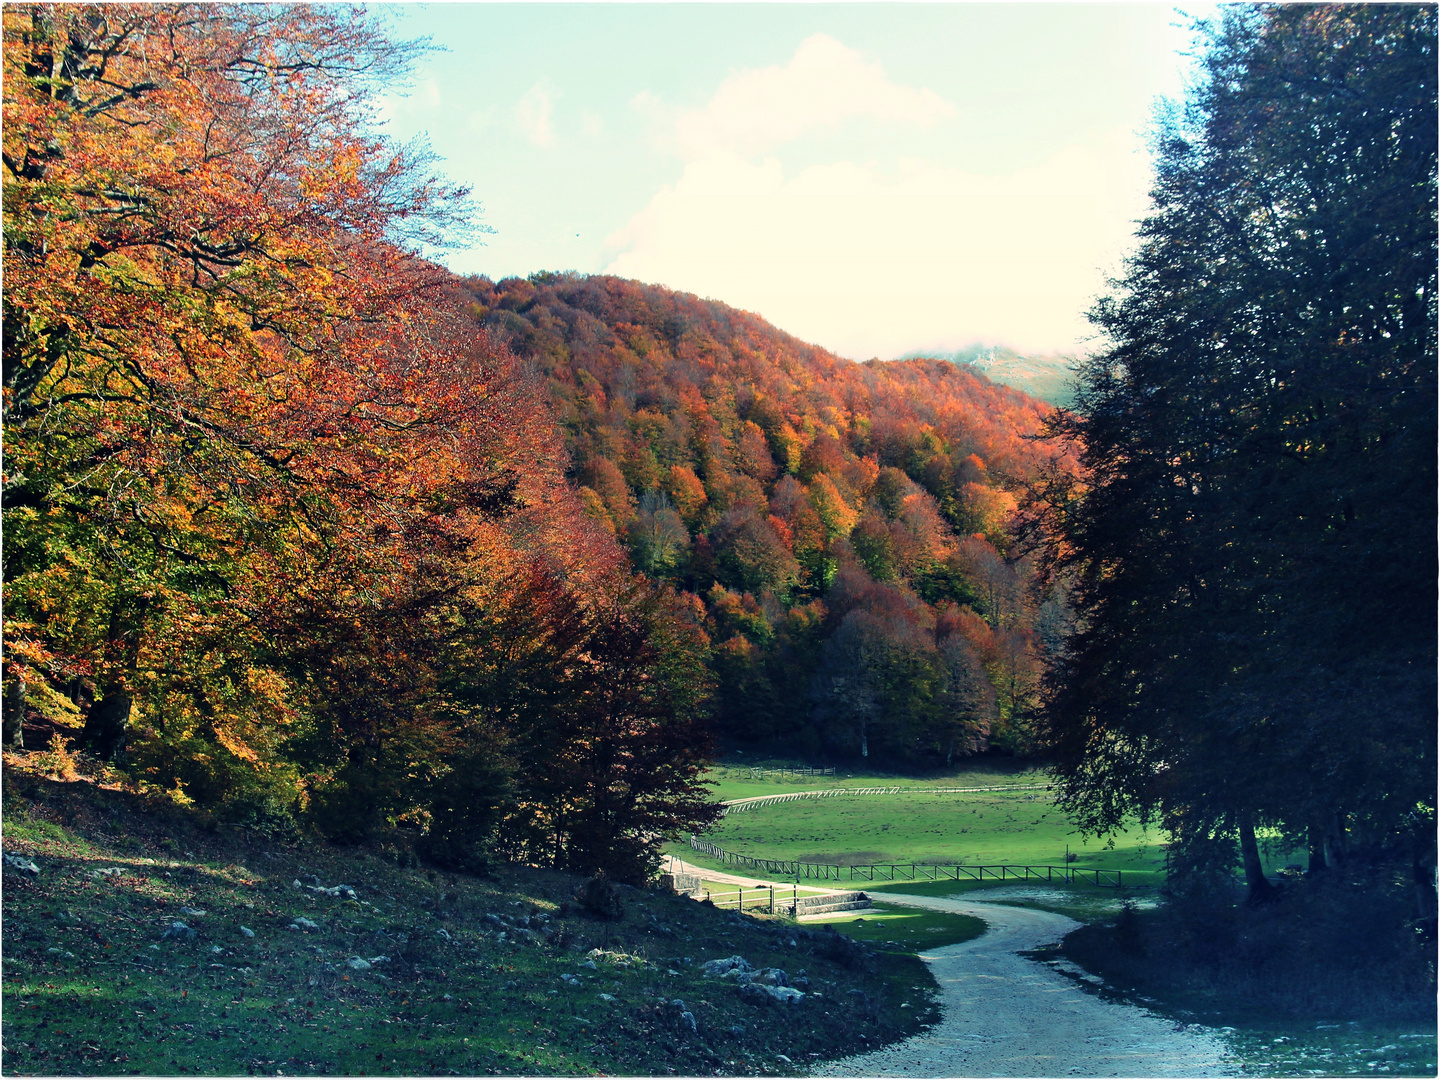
(534, 113)
(873, 262)
(824, 84)
(879, 258)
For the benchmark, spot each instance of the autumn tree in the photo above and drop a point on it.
(247, 432)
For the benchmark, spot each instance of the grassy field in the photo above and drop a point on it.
(418, 973)
(734, 781)
(1018, 827)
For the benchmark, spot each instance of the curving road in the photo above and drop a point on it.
(1004, 1015)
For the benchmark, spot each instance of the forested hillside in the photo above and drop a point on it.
(839, 531)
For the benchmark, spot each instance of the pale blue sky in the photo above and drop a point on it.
(875, 178)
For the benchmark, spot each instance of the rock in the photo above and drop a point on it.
(379, 959)
(356, 964)
(782, 1057)
(443, 933)
(737, 1030)
(245, 931)
(191, 913)
(771, 977)
(178, 931)
(687, 1021)
(446, 997)
(570, 980)
(311, 880)
(335, 892)
(18, 865)
(61, 952)
(216, 949)
(606, 997)
(304, 924)
(491, 918)
(718, 969)
(760, 994)
(105, 872)
(589, 965)
(677, 1003)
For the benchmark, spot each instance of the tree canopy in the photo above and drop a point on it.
(1250, 544)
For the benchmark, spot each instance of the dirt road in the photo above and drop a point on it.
(1005, 1015)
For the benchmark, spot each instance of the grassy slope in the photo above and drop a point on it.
(86, 993)
(733, 781)
(907, 929)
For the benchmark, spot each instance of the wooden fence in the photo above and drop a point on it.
(795, 868)
(757, 773)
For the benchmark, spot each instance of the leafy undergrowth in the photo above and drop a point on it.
(90, 987)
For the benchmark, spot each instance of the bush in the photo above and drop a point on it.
(600, 897)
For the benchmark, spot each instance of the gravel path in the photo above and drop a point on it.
(1004, 1015)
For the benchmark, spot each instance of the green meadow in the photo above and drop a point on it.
(972, 828)
(923, 823)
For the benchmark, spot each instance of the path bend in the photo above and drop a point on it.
(1004, 1015)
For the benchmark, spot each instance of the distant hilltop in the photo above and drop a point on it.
(1049, 376)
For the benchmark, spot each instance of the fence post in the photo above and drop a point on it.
(772, 899)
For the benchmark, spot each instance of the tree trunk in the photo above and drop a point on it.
(1422, 870)
(14, 708)
(1258, 888)
(1317, 848)
(107, 724)
(1335, 840)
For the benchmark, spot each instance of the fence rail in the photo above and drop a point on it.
(911, 871)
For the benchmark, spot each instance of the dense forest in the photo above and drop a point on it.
(840, 531)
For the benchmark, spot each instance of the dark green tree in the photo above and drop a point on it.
(1251, 549)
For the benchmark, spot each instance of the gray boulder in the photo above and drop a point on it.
(178, 931)
(719, 969)
(14, 864)
(760, 994)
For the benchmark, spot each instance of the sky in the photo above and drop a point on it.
(878, 179)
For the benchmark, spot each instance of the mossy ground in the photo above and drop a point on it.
(89, 987)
